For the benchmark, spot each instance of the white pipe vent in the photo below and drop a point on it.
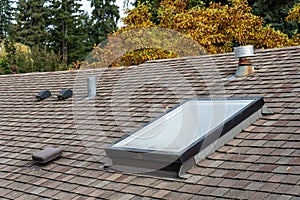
(245, 67)
(91, 83)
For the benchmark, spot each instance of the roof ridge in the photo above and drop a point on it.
(150, 62)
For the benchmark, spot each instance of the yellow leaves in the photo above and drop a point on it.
(20, 49)
(267, 37)
(177, 6)
(139, 56)
(138, 17)
(296, 38)
(216, 28)
(294, 13)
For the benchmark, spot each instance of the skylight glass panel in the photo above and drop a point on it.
(180, 128)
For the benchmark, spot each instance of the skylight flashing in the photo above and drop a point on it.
(171, 142)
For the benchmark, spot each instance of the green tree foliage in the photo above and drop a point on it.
(18, 58)
(44, 60)
(68, 30)
(31, 23)
(274, 12)
(105, 16)
(58, 33)
(6, 17)
(15, 57)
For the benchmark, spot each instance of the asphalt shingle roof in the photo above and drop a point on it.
(261, 162)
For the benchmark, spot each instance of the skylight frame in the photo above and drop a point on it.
(151, 156)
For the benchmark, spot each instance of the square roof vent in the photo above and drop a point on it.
(175, 141)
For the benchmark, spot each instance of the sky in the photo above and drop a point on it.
(87, 6)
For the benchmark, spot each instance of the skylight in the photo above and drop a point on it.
(175, 138)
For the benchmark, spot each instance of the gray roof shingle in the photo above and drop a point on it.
(261, 162)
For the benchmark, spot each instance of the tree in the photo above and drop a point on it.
(153, 5)
(217, 28)
(6, 17)
(105, 16)
(31, 23)
(55, 31)
(19, 58)
(294, 15)
(274, 12)
(29, 33)
(68, 28)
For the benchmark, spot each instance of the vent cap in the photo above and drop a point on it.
(243, 51)
(65, 94)
(44, 94)
(46, 155)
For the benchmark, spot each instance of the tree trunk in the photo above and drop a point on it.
(65, 32)
(64, 43)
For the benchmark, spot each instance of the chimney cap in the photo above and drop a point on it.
(244, 51)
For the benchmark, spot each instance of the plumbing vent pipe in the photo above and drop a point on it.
(91, 84)
(46, 155)
(243, 53)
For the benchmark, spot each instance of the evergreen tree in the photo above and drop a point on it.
(105, 16)
(6, 17)
(69, 26)
(31, 26)
(274, 12)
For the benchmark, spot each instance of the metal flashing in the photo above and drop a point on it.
(183, 136)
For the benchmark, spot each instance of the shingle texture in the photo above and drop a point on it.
(261, 162)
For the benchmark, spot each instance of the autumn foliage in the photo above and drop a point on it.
(217, 28)
(294, 15)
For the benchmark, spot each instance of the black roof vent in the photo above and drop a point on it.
(46, 155)
(65, 94)
(44, 94)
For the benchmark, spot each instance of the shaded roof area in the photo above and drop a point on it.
(261, 162)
